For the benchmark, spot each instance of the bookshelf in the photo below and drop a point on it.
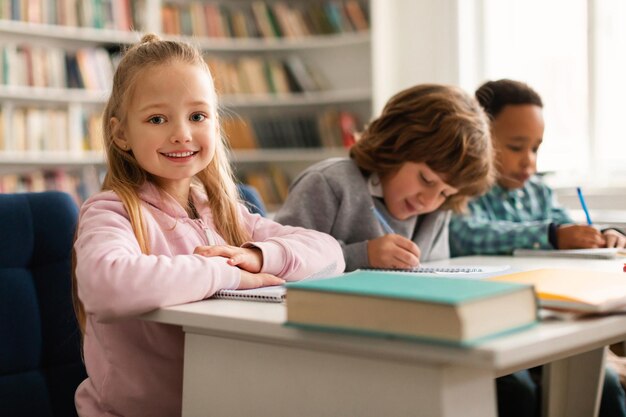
(296, 94)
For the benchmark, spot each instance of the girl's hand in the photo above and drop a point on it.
(248, 259)
(614, 239)
(393, 251)
(249, 280)
(577, 236)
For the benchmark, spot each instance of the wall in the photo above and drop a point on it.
(414, 41)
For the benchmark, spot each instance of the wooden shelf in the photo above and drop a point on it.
(298, 99)
(283, 155)
(40, 95)
(82, 36)
(22, 162)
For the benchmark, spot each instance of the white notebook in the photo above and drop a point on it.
(276, 294)
(273, 294)
(452, 269)
(597, 253)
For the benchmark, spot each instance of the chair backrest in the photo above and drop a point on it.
(253, 200)
(40, 359)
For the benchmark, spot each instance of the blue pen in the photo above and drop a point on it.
(582, 203)
(382, 221)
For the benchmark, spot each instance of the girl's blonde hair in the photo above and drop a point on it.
(439, 125)
(125, 176)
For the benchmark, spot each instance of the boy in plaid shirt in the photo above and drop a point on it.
(519, 211)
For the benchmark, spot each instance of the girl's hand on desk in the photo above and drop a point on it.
(250, 280)
(614, 239)
(393, 251)
(578, 236)
(248, 259)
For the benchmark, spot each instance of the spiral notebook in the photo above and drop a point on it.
(273, 294)
(276, 294)
(449, 270)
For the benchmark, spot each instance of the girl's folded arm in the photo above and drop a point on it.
(294, 253)
(116, 280)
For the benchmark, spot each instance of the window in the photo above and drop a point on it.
(608, 46)
(544, 43)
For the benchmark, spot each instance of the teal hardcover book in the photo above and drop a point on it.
(430, 308)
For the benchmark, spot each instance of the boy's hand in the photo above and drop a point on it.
(249, 280)
(248, 259)
(614, 239)
(393, 251)
(578, 236)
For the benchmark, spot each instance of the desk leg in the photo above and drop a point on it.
(572, 386)
(242, 378)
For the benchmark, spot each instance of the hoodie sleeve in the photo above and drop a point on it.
(116, 280)
(293, 253)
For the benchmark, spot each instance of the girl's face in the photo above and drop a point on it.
(517, 134)
(414, 189)
(171, 123)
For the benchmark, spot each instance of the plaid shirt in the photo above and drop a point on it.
(503, 220)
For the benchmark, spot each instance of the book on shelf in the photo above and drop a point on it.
(303, 75)
(272, 184)
(427, 308)
(265, 19)
(239, 132)
(306, 131)
(261, 19)
(357, 15)
(577, 290)
(51, 67)
(47, 129)
(593, 253)
(348, 124)
(118, 15)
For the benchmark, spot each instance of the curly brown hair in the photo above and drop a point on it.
(439, 125)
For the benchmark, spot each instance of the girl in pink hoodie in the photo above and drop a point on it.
(167, 229)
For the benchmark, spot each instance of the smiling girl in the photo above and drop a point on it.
(427, 153)
(167, 229)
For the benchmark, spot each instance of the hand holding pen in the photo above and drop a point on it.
(577, 236)
(391, 250)
(612, 238)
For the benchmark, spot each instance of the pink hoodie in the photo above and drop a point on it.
(135, 367)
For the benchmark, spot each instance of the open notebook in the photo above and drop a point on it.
(597, 253)
(447, 270)
(276, 294)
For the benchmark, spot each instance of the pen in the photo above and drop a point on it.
(584, 205)
(382, 221)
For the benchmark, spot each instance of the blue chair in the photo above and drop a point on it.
(250, 196)
(40, 358)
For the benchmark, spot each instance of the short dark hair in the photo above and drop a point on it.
(493, 96)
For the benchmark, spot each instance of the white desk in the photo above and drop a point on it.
(241, 361)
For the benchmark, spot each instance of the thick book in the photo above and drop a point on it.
(429, 308)
(576, 290)
(594, 253)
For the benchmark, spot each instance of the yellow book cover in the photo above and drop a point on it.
(574, 289)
